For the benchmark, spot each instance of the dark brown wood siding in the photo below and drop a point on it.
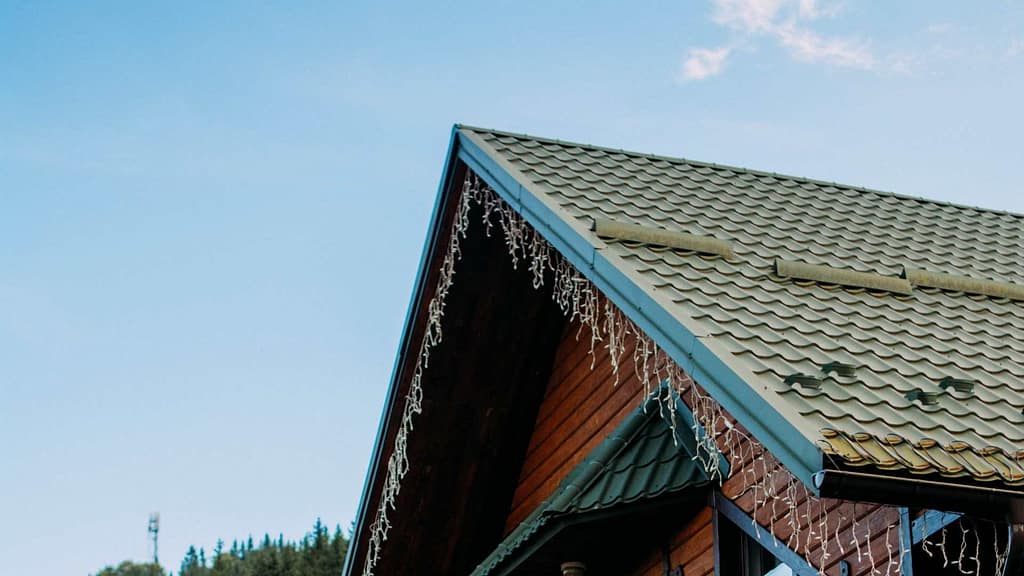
(693, 548)
(481, 390)
(817, 517)
(582, 405)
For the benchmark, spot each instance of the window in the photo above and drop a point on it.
(740, 554)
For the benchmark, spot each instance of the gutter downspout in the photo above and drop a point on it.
(1015, 547)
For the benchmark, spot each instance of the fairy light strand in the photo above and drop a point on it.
(718, 437)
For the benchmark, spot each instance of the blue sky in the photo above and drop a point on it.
(211, 213)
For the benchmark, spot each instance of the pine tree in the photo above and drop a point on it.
(190, 565)
(339, 549)
(317, 553)
(132, 569)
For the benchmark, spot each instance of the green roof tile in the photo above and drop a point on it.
(767, 327)
(638, 461)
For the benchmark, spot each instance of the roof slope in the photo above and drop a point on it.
(768, 327)
(639, 460)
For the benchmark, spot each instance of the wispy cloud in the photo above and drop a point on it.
(788, 23)
(704, 63)
(812, 9)
(809, 46)
(747, 15)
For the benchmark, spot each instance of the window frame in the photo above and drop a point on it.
(726, 511)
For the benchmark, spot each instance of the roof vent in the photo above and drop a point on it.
(841, 276)
(959, 384)
(963, 284)
(840, 368)
(804, 381)
(926, 398)
(660, 237)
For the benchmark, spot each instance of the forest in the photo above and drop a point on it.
(320, 552)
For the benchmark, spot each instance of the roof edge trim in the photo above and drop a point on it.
(661, 237)
(965, 284)
(842, 277)
(415, 298)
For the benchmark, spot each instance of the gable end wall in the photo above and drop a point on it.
(583, 404)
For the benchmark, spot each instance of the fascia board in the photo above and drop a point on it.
(419, 288)
(768, 541)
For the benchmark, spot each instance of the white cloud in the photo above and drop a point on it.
(747, 15)
(786, 22)
(812, 9)
(809, 46)
(704, 63)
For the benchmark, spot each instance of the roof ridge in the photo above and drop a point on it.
(700, 163)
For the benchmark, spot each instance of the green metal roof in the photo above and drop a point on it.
(758, 327)
(640, 460)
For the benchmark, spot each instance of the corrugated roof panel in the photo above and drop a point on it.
(639, 460)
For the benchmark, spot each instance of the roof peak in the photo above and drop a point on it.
(715, 166)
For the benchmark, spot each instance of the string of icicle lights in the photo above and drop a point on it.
(818, 529)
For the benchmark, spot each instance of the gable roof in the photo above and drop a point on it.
(743, 330)
(642, 459)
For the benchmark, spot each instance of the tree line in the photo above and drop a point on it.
(318, 553)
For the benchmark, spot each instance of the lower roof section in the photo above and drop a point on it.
(642, 463)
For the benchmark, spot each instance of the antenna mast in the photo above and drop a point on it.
(154, 531)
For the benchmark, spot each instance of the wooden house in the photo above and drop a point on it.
(625, 364)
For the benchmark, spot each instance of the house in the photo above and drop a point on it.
(620, 363)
